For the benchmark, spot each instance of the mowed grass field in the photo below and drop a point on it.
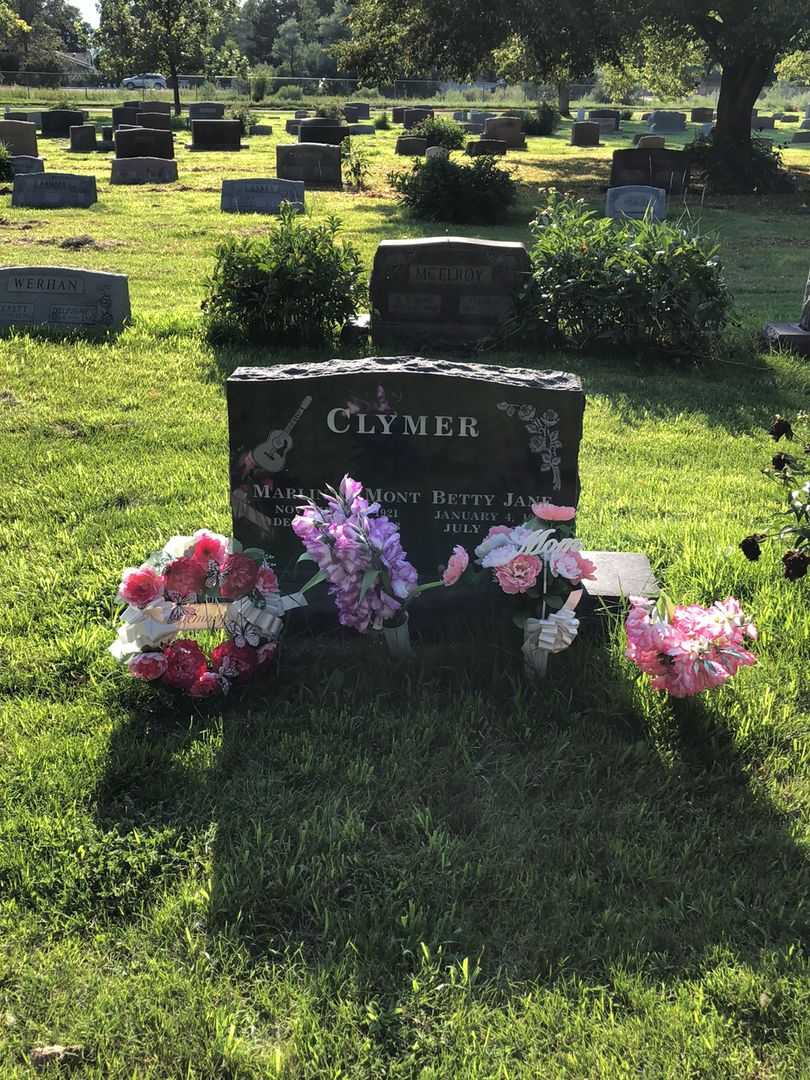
(367, 871)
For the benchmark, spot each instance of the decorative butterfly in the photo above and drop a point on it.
(180, 608)
(243, 634)
(213, 576)
(229, 669)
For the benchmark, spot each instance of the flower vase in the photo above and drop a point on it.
(398, 641)
(541, 637)
(535, 660)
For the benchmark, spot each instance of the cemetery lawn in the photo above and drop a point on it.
(368, 871)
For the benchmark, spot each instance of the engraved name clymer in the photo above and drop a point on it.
(342, 421)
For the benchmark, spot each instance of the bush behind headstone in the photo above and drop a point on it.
(439, 132)
(436, 190)
(297, 286)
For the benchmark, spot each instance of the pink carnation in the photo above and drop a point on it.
(519, 574)
(234, 661)
(208, 548)
(147, 665)
(140, 587)
(571, 565)
(549, 512)
(239, 574)
(456, 565)
(184, 577)
(185, 663)
(266, 581)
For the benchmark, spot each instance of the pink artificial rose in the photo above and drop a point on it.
(185, 663)
(239, 574)
(140, 587)
(499, 530)
(234, 661)
(519, 574)
(184, 576)
(571, 565)
(147, 665)
(208, 685)
(266, 581)
(549, 512)
(208, 549)
(457, 564)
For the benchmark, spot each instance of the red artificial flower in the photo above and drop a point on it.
(239, 573)
(184, 577)
(235, 662)
(185, 663)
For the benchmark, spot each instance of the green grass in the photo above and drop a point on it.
(371, 872)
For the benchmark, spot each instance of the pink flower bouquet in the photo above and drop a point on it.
(359, 552)
(688, 649)
(194, 584)
(540, 564)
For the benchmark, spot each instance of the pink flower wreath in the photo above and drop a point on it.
(198, 583)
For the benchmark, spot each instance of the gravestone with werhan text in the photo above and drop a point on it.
(443, 290)
(63, 298)
(447, 449)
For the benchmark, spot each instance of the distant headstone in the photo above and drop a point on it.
(143, 170)
(137, 105)
(449, 449)
(314, 163)
(144, 142)
(216, 135)
(800, 138)
(397, 113)
(805, 125)
(21, 163)
(450, 290)
(56, 123)
(666, 121)
(706, 131)
(19, 136)
(581, 115)
(763, 123)
(790, 118)
(702, 116)
(479, 117)
(321, 129)
(53, 191)
(107, 133)
(28, 116)
(506, 129)
(606, 114)
(83, 138)
(489, 147)
(607, 125)
(292, 127)
(793, 336)
(261, 129)
(356, 110)
(650, 142)
(472, 129)
(301, 114)
(437, 153)
(159, 121)
(362, 129)
(410, 144)
(667, 169)
(123, 115)
(586, 133)
(206, 110)
(64, 298)
(460, 116)
(635, 201)
(412, 117)
(164, 107)
(260, 196)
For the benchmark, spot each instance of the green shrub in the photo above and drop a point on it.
(260, 81)
(289, 93)
(544, 120)
(648, 285)
(439, 132)
(437, 190)
(382, 122)
(6, 168)
(329, 112)
(243, 114)
(355, 161)
(297, 286)
(739, 169)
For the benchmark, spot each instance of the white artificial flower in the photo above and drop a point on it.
(177, 546)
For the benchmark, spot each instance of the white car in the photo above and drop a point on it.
(148, 80)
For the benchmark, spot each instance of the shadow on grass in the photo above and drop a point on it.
(364, 808)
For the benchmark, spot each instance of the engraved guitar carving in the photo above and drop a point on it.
(271, 455)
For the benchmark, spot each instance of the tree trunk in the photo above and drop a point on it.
(564, 98)
(176, 86)
(740, 85)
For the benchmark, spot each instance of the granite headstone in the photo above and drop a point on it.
(506, 129)
(63, 298)
(447, 449)
(19, 137)
(56, 123)
(206, 110)
(585, 133)
(793, 336)
(412, 117)
(448, 290)
(314, 163)
(410, 144)
(143, 170)
(486, 147)
(53, 191)
(83, 139)
(257, 196)
(123, 115)
(667, 169)
(224, 135)
(25, 164)
(635, 201)
(158, 121)
(320, 129)
(144, 142)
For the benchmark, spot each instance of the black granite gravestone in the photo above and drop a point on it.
(320, 129)
(258, 196)
(667, 169)
(216, 135)
(317, 164)
(159, 121)
(56, 123)
(53, 191)
(144, 142)
(444, 290)
(486, 148)
(447, 449)
(123, 115)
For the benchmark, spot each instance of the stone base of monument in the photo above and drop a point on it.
(619, 574)
(219, 148)
(788, 336)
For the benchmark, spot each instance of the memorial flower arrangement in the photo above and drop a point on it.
(688, 649)
(193, 584)
(540, 564)
(359, 552)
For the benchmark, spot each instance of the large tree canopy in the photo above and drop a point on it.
(745, 37)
